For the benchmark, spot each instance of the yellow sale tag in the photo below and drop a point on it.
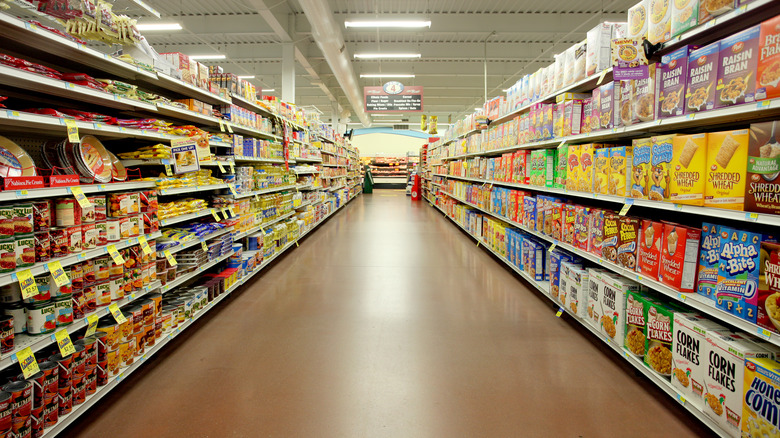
(221, 126)
(57, 273)
(170, 257)
(214, 213)
(73, 131)
(114, 253)
(229, 128)
(27, 362)
(204, 246)
(27, 284)
(233, 190)
(625, 208)
(221, 167)
(551, 248)
(232, 167)
(81, 198)
(92, 320)
(225, 213)
(64, 343)
(118, 317)
(168, 170)
(559, 312)
(144, 245)
(232, 212)
(601, 78)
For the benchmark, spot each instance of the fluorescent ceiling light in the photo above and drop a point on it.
(505, 90)
(197, 57)
(267, 90)
(478, 109)
(151, 10)
(384, 115)
(407, 24)
(158, 26)
(246, 77)
(389, 121)
(386, 55)
(388, 75)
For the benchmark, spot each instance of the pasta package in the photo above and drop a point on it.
(768, 73)
(762, 192)
(688, 370)
(727, 154)
(768, 311)
(702, 78)
(687, 169)
(736, 68)
(760, 405)
(738, 270)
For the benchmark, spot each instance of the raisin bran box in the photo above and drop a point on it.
(737, 68)
(760, 404)
(609, 243)
(637, 304)
(649, 248)
(628, 236)
(679, 257)
(768, 315)
(640, 167)
(608, 94)
(762, 190)
(768, 73)
(671, 83)
(658, 175)
(738, 269)
(596, 231)
(688, 370)
(709, 257)
(688, 169)
(702, 78)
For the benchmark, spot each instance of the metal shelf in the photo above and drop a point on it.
(191, 189)
(190, 275)
(263, 191)
(187, 115)
(180, 87)
(244, 103)
(50, 192)
(308, 160)
(262, 160)
(194, 241)
(257, 228)
(185, 217)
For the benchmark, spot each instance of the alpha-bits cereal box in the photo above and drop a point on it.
(688, 169)
(679, 257)
(688, 347)
(737, 68)
(738, 269)
(582, 223)
(660, 26)
(628, 235)
(621, 164)
(672, 80)
(762, 191)
(637, 20)
(577, 294)
(596, 231)
(658, 177)
(685, 15)
(585, 182)
(612, 291)
(573, 171)
(649, 248)
(637, 305)
(768, 73)
(727, 154)
(660, 334)
(609, 243)
(702, 77)
(709, 257)
(760, 403)
(640, 167)
(601, 171)
(768, 315)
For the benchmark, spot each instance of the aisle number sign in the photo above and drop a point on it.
(64, 343)
(27, 362)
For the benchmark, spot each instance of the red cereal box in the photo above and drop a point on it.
(556, 214)
(582, 227)
(768, 73)
(679, 257)
(649, 251)
(569, 218)
(610, 236)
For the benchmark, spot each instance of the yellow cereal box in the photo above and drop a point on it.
(620, 163)
(640, 168)
(585, 177)
(573, 172)
(601, 171)
(658, 178)
(687, 170)
(760, 405)
(727, 154)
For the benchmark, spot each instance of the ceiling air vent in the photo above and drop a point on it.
(401, 127)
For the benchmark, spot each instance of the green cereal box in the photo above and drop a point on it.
(640, 168)
(562, 157)
(547, 167)
(637, 304)
(660, 331)
(620, 163)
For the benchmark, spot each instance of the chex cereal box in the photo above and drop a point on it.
(640, 168)
(628, 235)
(660, 27)
(660, 334)
(612, 292)
(702, 78)
(687, 170)
(573, 171)
(727, 155)
(679, 257)
(737, 68)
(768, 315)
(585, 175)
(761, 399)
(637, 305)
(582, 223)
(738, 269)
(724, 359)
(577, 294)
(596, 231)
(658, 176)
(601, 171)
(768, 73)
(688, 348)
(557, 258)
(609, 243)
(649, 248)
(672, 81)
(621, 163)
(709, 258)
(569, 218)
(762, 191)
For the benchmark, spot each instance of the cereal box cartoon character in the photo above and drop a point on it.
(738, 269)
(658, 183)
(640, 167)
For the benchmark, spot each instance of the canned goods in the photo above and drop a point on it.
(63, 307)
(51, 378)
(101, 268)
(6, 221)
(102, 373)
(149, 337)
(44, 290)
(21, 400)
(88, 271)
(37, 422)
(127, 352)
(59, 242)
(90, 350)
(64, 369)
(102, 293)
(19, 313)
(7, 255)
(136, 225)
(6, 413)
(67, 212)
(89, 303)
(148, 201)
(140, 342)
(102, 233)
(38, 383)
(126, 328)
(115, 270)
(116, 289)
(10, 293)
(113, 361)
(23, 219)
(79, 361)
(148, 308)
(74, 238)
(100, 207)
(90, 380)
(112, 230)
(77, 275)
(6, 333)
(51, 412)
(119, 204)
(89, 236)
(42, 246)
(79, 391)
(41, 318)
(25, 250)
(167, 318)
(41, 215)
(137, 313)
(135, 203)
(88, 214)
(108, 326)
(151, 222)
(65, 400)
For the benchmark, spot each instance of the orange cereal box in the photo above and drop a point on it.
(601, 171)
(658, 178)
(727, 154)
(768, 73)
(649, 251)
(640, 168)
(687, 170)
(573, 172)
(585, 176)
(620, 165)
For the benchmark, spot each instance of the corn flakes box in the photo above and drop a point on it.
(582, 224)
(649, 248)
(640, 167)
(762, 190)
(660, 333)
(768, 73)
(738, 270)
(685, 15)
(612, 292)
(659, 29)
(593, 316)
(556, 214)
(628, 235)
(737, 67)
(679, 257)
(637, 20)
(768, 312)
(687, 169)
(620, 162)
(596, 231)
(562, 154)
(727, 154)
(702, 78)
(609, 243)
(601, 170)
(637, 304)
(573, 171)
(658, 178)
(557, 258)
(577, 291)
(709, 257)
(569, 218)
(688, 370)
(759, 403)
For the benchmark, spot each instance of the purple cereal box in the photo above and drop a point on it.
(671, 83)
(736, 68)
(609, 94)
(702, 76)
(595, 123)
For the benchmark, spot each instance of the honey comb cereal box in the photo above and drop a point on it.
(760, 401)
(585, 175)
(658, 177)
(601, 171)
(577, 294)
(596, 231)
(768, 312)
(672, 81)
(628, 237)
(762, 190)
(660, 334)
(737, 68)
(569, 219)
(640, 167)
(637, 305)
(582, 224)
(688, 359)
(768, 73)
(709, 257)
(637, 20)
(685, 15)
(687, 169)
(679, 257)
(659, 29)
(724, 361)
(727, 154)
(621, 160)
(573, 171)
(609, 242)
(649, 248)
(738, 270)
(702, 78)
(612, 292)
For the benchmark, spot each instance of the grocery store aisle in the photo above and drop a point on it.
(388, 321)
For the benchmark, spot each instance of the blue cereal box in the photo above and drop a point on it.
(709, 256)
(556, 258)
(529, 213)
(738, 269)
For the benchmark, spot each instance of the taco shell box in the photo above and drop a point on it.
(688, 370)
(727, 154)
(702, 78)
(687, 169)
(768, 312)
(679, 257)
(659, 29)
(759, 408)
(768, 73)
(762, 190)
(738, 270)
(737, 68)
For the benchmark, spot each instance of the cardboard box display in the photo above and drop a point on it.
(609, 243)
(659, 28)
(658, 177)
(649, 248)
(727, 155)
(709, 258)
(577, 292)
(637, 304)
(702, 78)
(768, 307)
(738, 60)
(569, 219)
(688, 169)
(660, 333)
(601, 170)
(621, 163)
(596, 231)
(738, 270)
(672, 82)
(582, 223)
(637, 20)
(768, 72)
(628, 236)
(762, 190)
(640, 167)
(612, 292)
(679, 257)
(685, 15)
(688, 361)
(573, 171)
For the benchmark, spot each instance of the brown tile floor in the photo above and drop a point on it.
(387, 322)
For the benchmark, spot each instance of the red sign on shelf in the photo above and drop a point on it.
(393, 97)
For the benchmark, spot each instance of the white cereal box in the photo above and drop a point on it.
(593, 314)
(609, 311)
(688, 361)
(577, 295)
(761, 403)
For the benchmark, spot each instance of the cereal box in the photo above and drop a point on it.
(547, 121)
(660, 334)
(558, 119)
(724, 358)
(637, 305)
(649, 248)
(543, 205)
(640, 167)
(535, 259)
(561, 166)
(568, 71)
(594, 312)
(762, 190)
(659, 29)
(598, 46)
(688, 369)
(626, 104)
(708, 9)
(658, 178)
(529, 212)
(679, 257)
(580, 55)
(556, 221)
(573, 171)
(727, 154)
(643, 104)
(601, 170)
(577, 291)
(738, 269)
(569, 218)
(620, 162)
(768, 73)
(709, 257)
(596, 231)
(736, 68)
(768, 312)
(595, 115)
(671, 83)
(587, 115)
(612, 291)
(546, 167)
(572, 117)
(585, 175)
(556, 260)
(628, 235)
(565, 282)
(609, 243)
(582, 227)
(685, 15)
(687, 169)
(702, 78)
(609, 94)
(637, 20)
(558, 67)
(760, 403)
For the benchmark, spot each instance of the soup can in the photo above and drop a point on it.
(149, 310)
(8, 255)
(140, 342)
(103, 293)
(59, 242)
(102, 233)
(41, 318)
(25, 250)
(124, 228)
(63, 306)
(113, 361)
(65, 369)
(67, 212)
(102, 373)
(19, 314)
(23, 219)
(21, 400)
(149, 337)
(116, 288)
(41, 215)
(90, 380)
(108, 326)
(100, 207)
(127, 352)
(112, 230)
(79, 390)
(89, 236)
(65, 400)
(6, 333)
(77, 301)
(126, 328)
(79, 361)
(74, 238)
(42, 246)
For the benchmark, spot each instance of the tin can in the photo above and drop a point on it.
(149, 337)
(135, 203)
(21, 400)
(90, 380)
(51, 412)
(51, 378)
(88, 271)
(113, 361)
(6, 221)
(103, 293)
(89, 236)
(10, 293)
(156, 298)
(149, 309)
(89, 303)
(38, 423)
(88, 214)
(74, 237)
(42, 246)
(41, 215)
(19, 314)
(119, 205)
(151, 222)
(65, 369)
(6, 334)
(23, 218)
(38, 381)
(101, 268)
(67, 212)
(79, 361)
(126, 328)
(127, 352)
(115, 270)
(102, 373)
(140, 342)
(25, 250)
(116, 288)
(44, 292)
(108, 326)
(41, 318)
(138, 226)
(167, 318)
(59, 242)
(77, 301)
(112, 230)
(137, 313)
(6, 413)
(65, 400)
(7, 255)
(100, 207)
(124, 227)
(77, 275)
(63, 307)
(90, 344)
(102, 233)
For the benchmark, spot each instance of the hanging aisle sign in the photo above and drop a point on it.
(393, 97)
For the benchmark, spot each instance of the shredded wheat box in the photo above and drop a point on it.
(761, 399)
(688, 169)
(762, 191)
(688, 349)
(769, 287)
(727, 157)
(649, 248)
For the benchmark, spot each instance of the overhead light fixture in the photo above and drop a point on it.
(150, 9)
(158, 26)
(505, 90)
(205, 57)
(388, 75)
(478, 109)
(267, 90)
(384, 115)
(404, 24)
(386, 55)
(246, 77)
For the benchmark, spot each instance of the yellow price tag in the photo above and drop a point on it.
(168, 170)
(552, 247)
(232, 167)
(170, 257)
(114, 253)
(81, 198)
(203, 245)
(144, 245)
(221, 125)
(214, 213)
(27, 362)
(73, 131)
(118, 317)
(232, 211)
(92, 321)
(257, 197)
(233, 190)
(57, 273)
(27, 284)
(559, 312)
(64, 343)
(625, 208)
(225, 213)
(229, 128)
(221, 167)
(601, 78)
